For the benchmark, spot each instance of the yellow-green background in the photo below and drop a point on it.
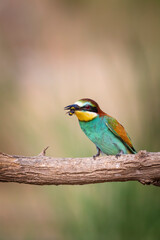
(53, 53)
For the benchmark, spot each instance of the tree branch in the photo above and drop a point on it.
(42, 170)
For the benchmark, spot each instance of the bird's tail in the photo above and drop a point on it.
(131, 150)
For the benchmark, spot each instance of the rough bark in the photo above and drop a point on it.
(41, 170)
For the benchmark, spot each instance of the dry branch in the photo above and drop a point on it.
(42, 170)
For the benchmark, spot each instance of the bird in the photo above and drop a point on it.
(104, 131)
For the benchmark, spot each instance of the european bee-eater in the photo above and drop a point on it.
(104, 131)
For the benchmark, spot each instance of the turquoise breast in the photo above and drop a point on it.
(98, 132)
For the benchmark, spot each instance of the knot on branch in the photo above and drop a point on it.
(142, 153)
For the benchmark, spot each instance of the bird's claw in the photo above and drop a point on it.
(94, 156)
(98, 153)
(119, 154)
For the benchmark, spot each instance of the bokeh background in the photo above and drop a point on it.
(53, 53)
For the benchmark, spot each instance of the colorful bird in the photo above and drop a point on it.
(104, 131)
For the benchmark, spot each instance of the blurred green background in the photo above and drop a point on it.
(53, 53)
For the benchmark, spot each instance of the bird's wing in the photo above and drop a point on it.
(118, 130)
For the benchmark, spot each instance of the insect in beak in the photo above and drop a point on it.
(72, 108)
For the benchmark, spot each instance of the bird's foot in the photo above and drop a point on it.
(94, 156)
(98, 153)
(119, 154)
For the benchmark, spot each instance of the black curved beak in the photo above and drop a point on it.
(72, 108)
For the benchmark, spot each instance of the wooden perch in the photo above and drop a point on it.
(41, 170)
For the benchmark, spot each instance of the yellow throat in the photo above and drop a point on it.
(85, 116)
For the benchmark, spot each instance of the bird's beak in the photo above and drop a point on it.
(72, 108)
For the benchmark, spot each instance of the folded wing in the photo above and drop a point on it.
(118, 130)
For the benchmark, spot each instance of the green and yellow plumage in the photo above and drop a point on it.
(104, 131)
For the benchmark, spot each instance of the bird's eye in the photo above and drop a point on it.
(87, 107)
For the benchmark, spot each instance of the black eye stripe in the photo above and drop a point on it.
(90, 109)
(94, 109)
